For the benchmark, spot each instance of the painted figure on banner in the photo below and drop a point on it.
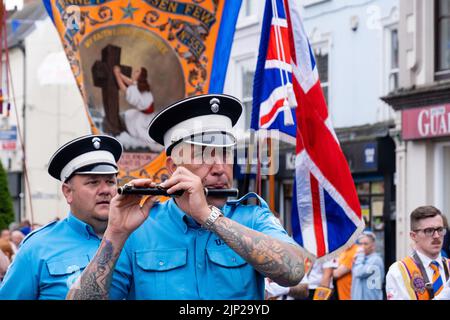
(138, 95)
(120, 94)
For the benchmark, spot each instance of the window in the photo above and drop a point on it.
(393, 61)
(371, 198)
(446, 178)
(322, 68)
(247, 94)
(248, 14)
(249, 7)
(442, 39)
(442, 177)
(14, 5)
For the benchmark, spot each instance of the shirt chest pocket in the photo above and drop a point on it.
(161, 274)
(65, 270)
(231, 275)
(226, 258)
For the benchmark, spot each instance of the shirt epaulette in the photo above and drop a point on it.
(28, 236)
(250, 195)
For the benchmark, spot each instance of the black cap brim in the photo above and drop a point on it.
(192, 107)
(78, 147)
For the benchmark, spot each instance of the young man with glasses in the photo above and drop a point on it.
(423, 275)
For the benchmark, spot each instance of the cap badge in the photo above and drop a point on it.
(96, 142)
(214, 102)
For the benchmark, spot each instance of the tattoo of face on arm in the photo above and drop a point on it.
(281, 262)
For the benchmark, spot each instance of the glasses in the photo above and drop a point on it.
(429, 232)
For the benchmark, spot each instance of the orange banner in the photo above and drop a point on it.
(132, 58)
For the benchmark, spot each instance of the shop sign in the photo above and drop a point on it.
(8, 138)
(369, 155)
(426, 122)
(361, 156)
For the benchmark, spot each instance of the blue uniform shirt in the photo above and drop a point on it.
(51, 259)
(171, 257)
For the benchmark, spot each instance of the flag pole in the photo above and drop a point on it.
(248, 158)
(271, 176)
(258, 167)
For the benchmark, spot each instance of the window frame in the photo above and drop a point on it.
(309, 3)
(241, 64)
(391, 71)
(246, 99)
(439, 163)
(439, 74)
(246, 20)
(323, 51)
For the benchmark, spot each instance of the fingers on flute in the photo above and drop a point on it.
(180, 186)
(173, 180)
(141, 183)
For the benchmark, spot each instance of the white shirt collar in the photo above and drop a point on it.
(426, 260)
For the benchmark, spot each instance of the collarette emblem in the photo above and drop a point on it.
(418, 283)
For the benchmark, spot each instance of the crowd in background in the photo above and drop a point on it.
(356, 274)
(10, 240)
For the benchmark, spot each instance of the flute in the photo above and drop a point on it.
(159, 191)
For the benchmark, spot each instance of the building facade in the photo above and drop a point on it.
(422, 105)
(47, 111)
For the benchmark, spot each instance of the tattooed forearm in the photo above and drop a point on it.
(95, 280)
(281, 262)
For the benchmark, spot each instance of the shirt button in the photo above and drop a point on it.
(161, 263)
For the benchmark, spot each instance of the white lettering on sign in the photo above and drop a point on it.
(370, 155)
(433, 122)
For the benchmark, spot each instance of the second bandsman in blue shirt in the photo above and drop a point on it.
(51, 258)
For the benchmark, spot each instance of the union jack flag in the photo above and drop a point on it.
(273, 99)
(326, 214)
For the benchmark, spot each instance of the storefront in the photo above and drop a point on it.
(282, 184)
(431, 125)
(370, 153)
(423, 154)
(285, 185)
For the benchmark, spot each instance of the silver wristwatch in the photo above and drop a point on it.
(213, 216)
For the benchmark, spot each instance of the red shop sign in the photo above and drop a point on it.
(426, 122)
